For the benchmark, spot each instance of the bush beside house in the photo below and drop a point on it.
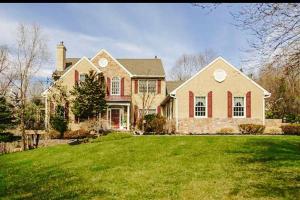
(291, 129)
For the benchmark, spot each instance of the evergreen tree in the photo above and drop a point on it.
(89, 96)
(58, 121)
(6, 114)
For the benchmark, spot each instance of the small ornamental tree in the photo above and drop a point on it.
(58, 121)
(6, 114)
(89, 96)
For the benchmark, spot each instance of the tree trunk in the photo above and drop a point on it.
(23, 129)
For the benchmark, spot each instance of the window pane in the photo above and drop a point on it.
(82, 77)
(142, 86)
(238, 107)
(152, 86)
(200, 106)
(115, 86)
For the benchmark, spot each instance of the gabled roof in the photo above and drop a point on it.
(137, 67)
(172, 85)
(66, 71)
(266, 93)
(144, 67)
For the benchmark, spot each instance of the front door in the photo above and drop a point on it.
(115, 118)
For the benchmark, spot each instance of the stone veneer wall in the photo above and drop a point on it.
(211, 125)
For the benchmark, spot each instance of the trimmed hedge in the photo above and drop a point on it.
(251, 128)
(291, 129)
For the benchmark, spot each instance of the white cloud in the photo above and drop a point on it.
(165, 39)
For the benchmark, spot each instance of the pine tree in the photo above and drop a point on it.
(89, 96)
(6, 114)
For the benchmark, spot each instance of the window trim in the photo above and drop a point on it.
(205, 116)
(244, 116)
(111, 88)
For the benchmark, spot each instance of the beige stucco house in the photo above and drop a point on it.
(217, 96)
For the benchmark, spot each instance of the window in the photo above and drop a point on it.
(115, 86)
(147, 86)
(82, 77)
(142, 86)
(238, 107)
(147, 111)
(200, 106)
(152, 86)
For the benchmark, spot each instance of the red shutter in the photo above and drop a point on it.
(108, 86)
(51, 107)
(158, 86)
(135, 86)
(229, 104)
(122, 87)
(76, 78)
(248, 104)
(158, 110)
(209, 102)
(191, 104)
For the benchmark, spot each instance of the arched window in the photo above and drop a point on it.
(200, 106)
(115, 86)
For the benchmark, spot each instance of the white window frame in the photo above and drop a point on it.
(146, 111)
(147, 85)
(111, 88)
(82, 74)
(205, 116)
(233, 107)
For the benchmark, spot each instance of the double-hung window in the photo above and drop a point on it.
(115, 86)
(200, 106)
(147, 86)
(238, 107)
(82, 77)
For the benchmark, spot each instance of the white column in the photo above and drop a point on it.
(128, 118)
(46, 112)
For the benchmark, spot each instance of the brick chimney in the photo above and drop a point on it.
(60, 57)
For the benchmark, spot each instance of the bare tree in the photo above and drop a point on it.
(6, 74)
(275, 27)
(31, 53)
(189, 64)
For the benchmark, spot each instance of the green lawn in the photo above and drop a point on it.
(157, 167)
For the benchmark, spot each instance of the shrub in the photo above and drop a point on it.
(291, 129)
(9, 137)
(225, 131)
(251, 128)
(78, 134)
(53, 134)
(155, 123)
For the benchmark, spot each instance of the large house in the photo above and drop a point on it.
(217, 96)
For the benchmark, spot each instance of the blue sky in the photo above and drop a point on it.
(129, 30)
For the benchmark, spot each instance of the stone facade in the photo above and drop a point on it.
(211, 125)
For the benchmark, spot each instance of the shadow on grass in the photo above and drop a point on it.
(48, 183)
(271, 168)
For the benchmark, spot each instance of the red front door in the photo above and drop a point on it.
(115, 118)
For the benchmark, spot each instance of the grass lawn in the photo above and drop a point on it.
(157, 167)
